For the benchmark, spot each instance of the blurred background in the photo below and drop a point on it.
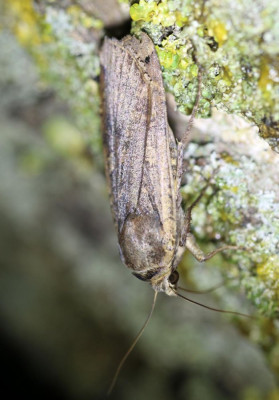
(68, 308)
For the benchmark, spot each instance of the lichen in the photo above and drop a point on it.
(235, 45)
(241, 208)
(61, 42)
(239, 63)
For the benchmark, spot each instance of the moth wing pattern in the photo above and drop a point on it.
(125, 120)
(137, 136)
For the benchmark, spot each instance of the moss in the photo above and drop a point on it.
(238, 56)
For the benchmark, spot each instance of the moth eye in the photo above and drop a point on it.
(173, 278)
(147, 59)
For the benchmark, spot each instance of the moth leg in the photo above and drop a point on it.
(197, 252)
(190, 240)
(178, 175)
(188, 215)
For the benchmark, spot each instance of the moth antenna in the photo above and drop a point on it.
(213, 308)
(203, 291)
(124, 358)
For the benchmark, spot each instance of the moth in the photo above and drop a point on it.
(144, 169)
(143, 164)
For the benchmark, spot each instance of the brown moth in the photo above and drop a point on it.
(144, 164)
(144, 169)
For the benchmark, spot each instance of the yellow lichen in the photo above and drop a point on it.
(168, 59)
(181, 20)
(227, 78)
(142, 11)
(218, 30)
(268, 271)
(229, 159)
(24, 22)
(266, 83)
(158, 14)
(79, 17)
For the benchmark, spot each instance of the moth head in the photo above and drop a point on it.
(166, 283)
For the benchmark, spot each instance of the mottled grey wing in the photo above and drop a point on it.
(137, 138)
(126, 102)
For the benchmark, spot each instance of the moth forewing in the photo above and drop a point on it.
(143, 161)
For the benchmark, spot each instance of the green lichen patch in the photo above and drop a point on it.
(241, 208)
(237, 47)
